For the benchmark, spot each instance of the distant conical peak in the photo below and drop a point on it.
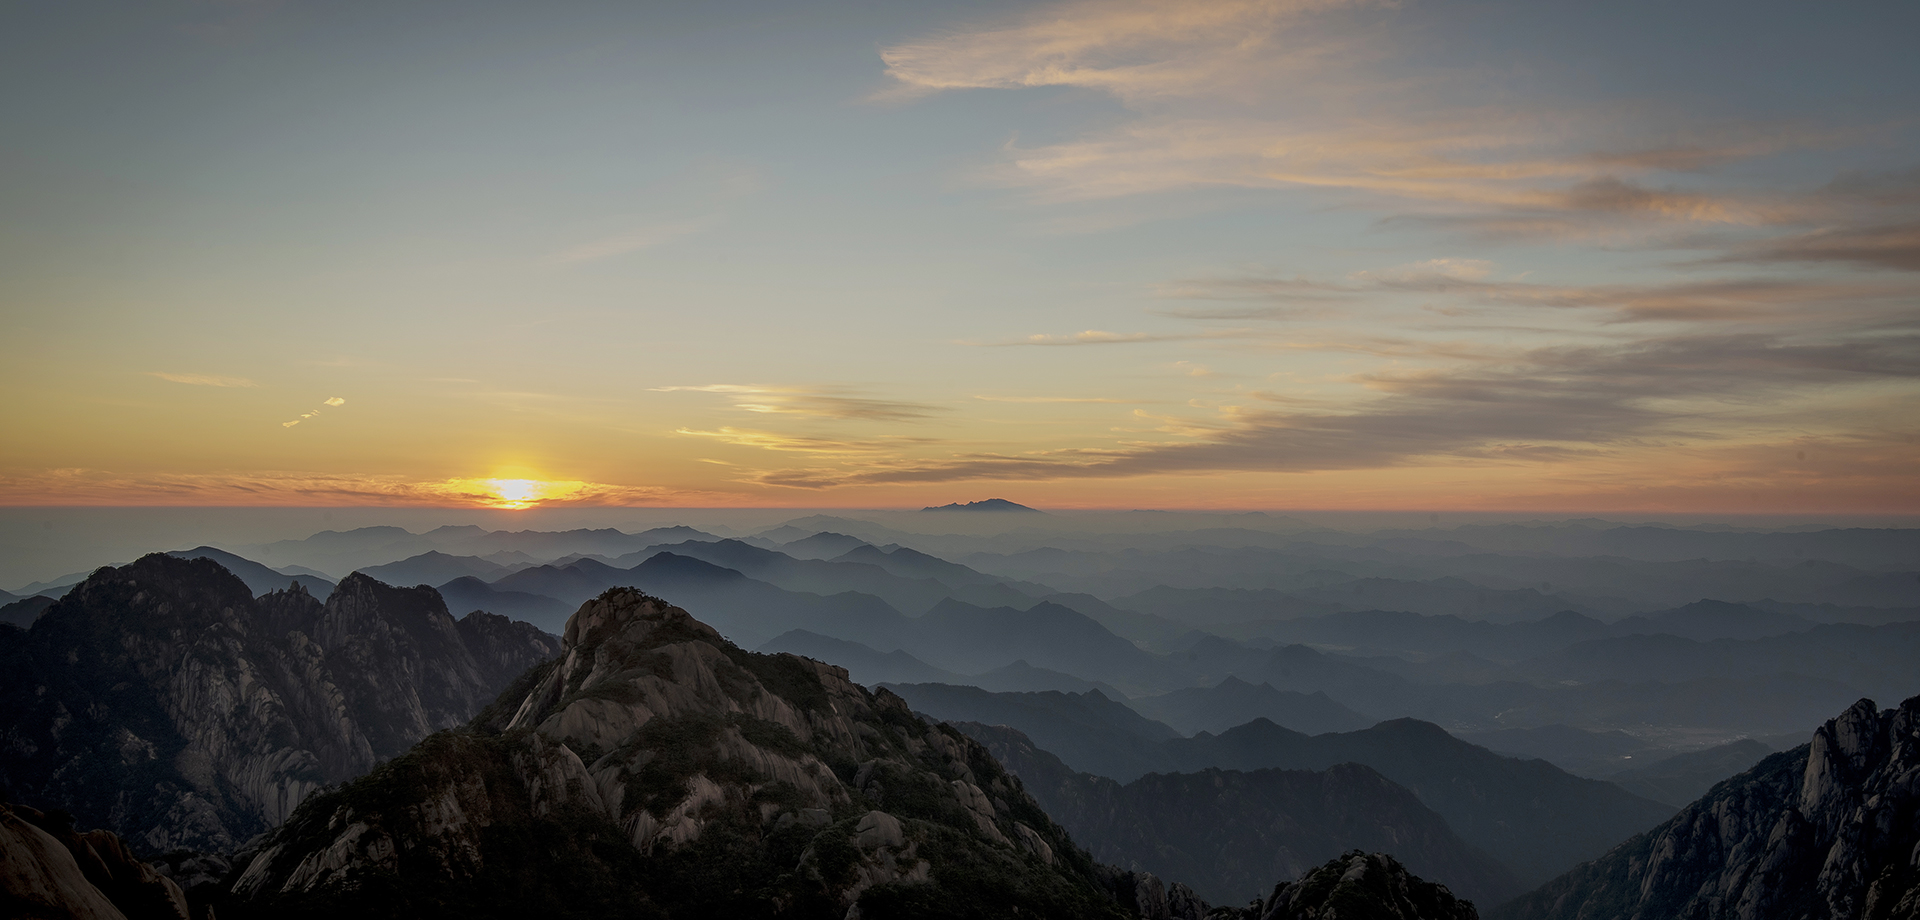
(985, 504)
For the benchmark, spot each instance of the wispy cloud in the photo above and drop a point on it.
(329, 403)
(1099, 337)
(1053, 399)
(297, 488)
(203, 380)
(1305, 95)
(813, 402)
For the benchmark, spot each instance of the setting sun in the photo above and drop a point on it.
(516, 493)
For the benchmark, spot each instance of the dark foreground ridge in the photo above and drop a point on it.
(1830, 829)
(656, 770)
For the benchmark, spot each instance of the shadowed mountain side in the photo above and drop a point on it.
(823, 545)
(259, 578)
(743, 608)
(1824, 830)
(1021, 677)
(1087, 730)
(909, 595)
(967, 639)
(911, 563)
(164, 702)
(48, 870)
(434, 567)
(1531, 815)
(864, 665)
(470, 593)
(1682, 778)
(1228, 834)
(1129, 624)
(1235, 702)
(24, 611)
(657, 770)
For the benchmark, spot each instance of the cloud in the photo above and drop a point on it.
(310, 489)
(1466, 281)
(1316, 95)
(203, 380)
(1053, 399)
(813, 402)
(1894, 246)
(329, 402)
(1098, 337)
(1532, 405)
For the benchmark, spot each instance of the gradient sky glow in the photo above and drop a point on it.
(1308, 254)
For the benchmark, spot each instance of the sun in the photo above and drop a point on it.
(517, 493)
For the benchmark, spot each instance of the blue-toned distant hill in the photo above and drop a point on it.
(259, 578)
(988, 504)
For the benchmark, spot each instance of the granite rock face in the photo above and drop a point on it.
(1829, 830)
(655, 769)
(49, 870)
(161, 700)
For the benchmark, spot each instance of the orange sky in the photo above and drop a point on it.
(1246, 254)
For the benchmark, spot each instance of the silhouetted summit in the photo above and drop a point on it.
(985, 504)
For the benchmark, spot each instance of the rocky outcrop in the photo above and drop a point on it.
(1356, 885)
(657, 770)
(1229, 834)
(1829, 830)
(163, 701)
(48, 870)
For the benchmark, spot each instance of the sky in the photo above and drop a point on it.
(1552, 256)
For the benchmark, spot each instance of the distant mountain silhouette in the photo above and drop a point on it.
(1230, 833)
(987, 504)
(822, 545)
(259, 578)
(1235, 702)
(434, 567)
(469, 593)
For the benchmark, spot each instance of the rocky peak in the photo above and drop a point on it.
(709, 781)
(1358, 884)
(163, 701)
(1830, 829)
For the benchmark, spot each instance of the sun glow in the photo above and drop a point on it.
(513, 494)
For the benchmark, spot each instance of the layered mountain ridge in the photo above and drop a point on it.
(161, 700)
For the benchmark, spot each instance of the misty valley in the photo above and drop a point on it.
(975, 710)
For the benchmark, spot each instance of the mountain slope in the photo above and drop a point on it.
(1531, 815)
(658, 770)
(162, 701)
(1229, 834)
(1235, 702)
(1825, 830)
(259, 578)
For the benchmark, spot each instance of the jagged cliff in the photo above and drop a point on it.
(1230, 834)
(161, 700)
(656, 770)
(1828, 830)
